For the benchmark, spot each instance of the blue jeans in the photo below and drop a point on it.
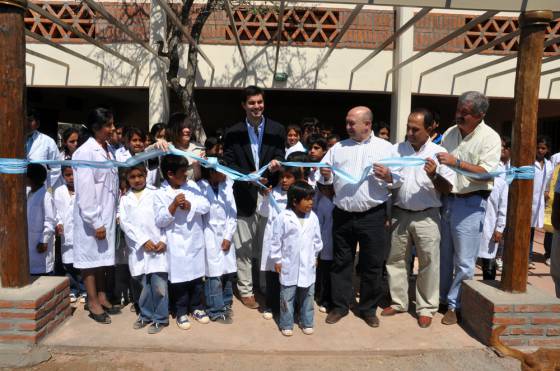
(74, 275)
(187, 296)
(219, 294)
(461, 230)
(304, 299)
(154, 299)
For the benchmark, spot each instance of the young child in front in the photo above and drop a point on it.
(288, 176)
(64, 204)
(219, 226)
(296, 243)
(41, 222)
(324, 209)
(147, 258)
(318, 146)
(179, 206)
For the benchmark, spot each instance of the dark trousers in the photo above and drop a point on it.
(488, 268)
(273, 291)
(366, 228)
(187, 296)
(323, 283)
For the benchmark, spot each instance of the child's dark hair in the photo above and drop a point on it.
(156, 129)
(507, 141)
(132, 131)
(300, 157)
(140, 167)
(333, 137)
(65, 136)
(177, 122)
(545, 139)
(172, 163)
(298, 191)
(64, 167)
(37, 174)
(211, 142)
(206, 172)
(319, 140)
(296, 171)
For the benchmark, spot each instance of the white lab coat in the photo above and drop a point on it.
(97, 191)
(542, 177)
(64, 204)
(494, 219)
(43, 147)
(298, 147)
(324, 211)
(296, 247)
(184, 231)
(137, 221)
(265, 209)
(219, 224)
(41, 223)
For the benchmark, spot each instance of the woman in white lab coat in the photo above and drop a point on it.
(543, 172)
(94, 214)
(493, 228)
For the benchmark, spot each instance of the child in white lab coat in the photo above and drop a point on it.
(288, 176)
(296, 243)
(493, 228)
(179, 206)
(219, 226)
(41, 222)
(64, 204)
(324, 209)
(147, 259)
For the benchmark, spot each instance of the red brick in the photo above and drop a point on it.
(546, 320)
(503, 308)
(62, 286)
(535, 308)
(18, 314)
(33, 304)
(17, 337)
(527, 331)
(514, 342)
(545, 342)
(554, 308)
(35, 325)
(555, 331)
(5, 325)
(62, 306)
(510, 320)
(6, 304)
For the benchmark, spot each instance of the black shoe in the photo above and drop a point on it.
(371, 320)
(334, 316)
(113, 309)
(140, 323)
(100, 318)
(156, 327)
(223, 319)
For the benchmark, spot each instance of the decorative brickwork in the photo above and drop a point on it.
(76, 14)
(28, 314)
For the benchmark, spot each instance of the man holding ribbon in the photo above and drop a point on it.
(359, 215)
(249, 145)
(473, 147)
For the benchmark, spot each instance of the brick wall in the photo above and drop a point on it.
(27, 315)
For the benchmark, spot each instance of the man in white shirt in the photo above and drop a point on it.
(416, 220)
(359, 215)
(475, 147)
(39, 146)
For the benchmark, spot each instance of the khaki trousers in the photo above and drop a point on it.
(247, 252)
(421, 229)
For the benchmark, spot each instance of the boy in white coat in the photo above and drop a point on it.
(493, 228)
(296, 242)
(179, 206)
(64, 198)
(219, 226)
(147, 259)
(288, 177)
(41, 222)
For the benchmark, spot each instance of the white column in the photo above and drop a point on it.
(402, 78)
(158, 92)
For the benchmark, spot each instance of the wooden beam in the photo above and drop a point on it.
(14, 257)
(524, 141)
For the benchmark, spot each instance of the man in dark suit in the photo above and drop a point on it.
(249, 145)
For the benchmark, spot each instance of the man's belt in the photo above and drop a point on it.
(483, 194)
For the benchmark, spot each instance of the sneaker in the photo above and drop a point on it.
(224, 319)
(499, 264)
(83, 298)
(140, 323)
(156, 327)
(183, 322)
(322, 309)
(287, 332)
(532, 265)
(547, 262)
(267, 315)
(308, 330)
(200, 316)
(73, 298)
(229, 311)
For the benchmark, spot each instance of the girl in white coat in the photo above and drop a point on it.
(219, 226)
(543, 172)
(296, 243)
(147, 259)
(41, 221)
(493, 228)
(179, 206)
(288, 176)
(94, 214)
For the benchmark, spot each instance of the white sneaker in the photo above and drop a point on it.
(73, 298)
(322, 309)
(308, 330)
(267, 315)
(83, 298)
(547, 262)
(499, 264)
(200, 316)
(287, 332)
(183, 322)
